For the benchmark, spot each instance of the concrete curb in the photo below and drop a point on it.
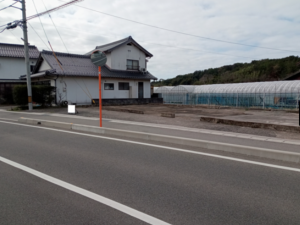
(125, 110)
(244, 150)
(278, 127)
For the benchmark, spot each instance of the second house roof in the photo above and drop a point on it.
(111, 46)
(81, 65)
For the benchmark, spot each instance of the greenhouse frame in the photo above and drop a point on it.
(275, 94)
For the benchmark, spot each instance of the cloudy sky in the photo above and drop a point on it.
(267, 24)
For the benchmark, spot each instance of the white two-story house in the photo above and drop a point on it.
(124, 77)
(12, 65)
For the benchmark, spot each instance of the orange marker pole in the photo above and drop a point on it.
(100, 97)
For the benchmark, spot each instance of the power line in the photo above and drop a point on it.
(207, 38)
(183, 33)
(55, 27)
(16, 23)
(198, 50)
(40, 20)
(38, 35)
(144, 42)
(14, 35)
(172, 46)
(88, 94)
(8, 6)
(2, 30)
(54, 9)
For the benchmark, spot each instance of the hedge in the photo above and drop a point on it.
(41, 94)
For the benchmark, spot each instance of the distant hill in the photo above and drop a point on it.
(257, 70)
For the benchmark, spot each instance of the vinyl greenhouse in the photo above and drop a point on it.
(275, 94)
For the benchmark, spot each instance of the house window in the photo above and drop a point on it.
(123, 86)
(31, 68)
(109, 86)
(132, 64)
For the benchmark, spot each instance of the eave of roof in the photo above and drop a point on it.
(11, 81)
(106, 73)
(39, 74)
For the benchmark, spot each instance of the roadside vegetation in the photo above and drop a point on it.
(43, 95)
(256, 71)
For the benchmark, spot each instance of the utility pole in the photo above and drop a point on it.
(29, 91)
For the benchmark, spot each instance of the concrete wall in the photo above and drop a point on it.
(120, 55)
(81, 90)
(13, 68)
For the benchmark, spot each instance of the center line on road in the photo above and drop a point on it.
(165, 147)
(113, 204)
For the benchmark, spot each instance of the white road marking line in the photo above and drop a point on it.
(166, 147)
(113, 204)
(7, 119)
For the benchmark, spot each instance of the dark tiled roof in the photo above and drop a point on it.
(111, 46)
(17, 51)
(81, 65)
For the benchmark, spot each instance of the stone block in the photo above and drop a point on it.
(169, 115)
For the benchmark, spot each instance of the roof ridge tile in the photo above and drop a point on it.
(64, 54)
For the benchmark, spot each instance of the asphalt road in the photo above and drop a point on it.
(160, 129)
(174, 187)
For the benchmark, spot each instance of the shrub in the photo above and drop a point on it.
(20, 94)
(43, 94)
(40, 94)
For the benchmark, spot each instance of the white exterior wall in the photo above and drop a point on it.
(76, 94)
(13, 68)
(108, 63)
(120, 55)
(44, 66)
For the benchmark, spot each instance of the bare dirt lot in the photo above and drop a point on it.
(188, 116)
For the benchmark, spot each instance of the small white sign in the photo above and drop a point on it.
(72, 109)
